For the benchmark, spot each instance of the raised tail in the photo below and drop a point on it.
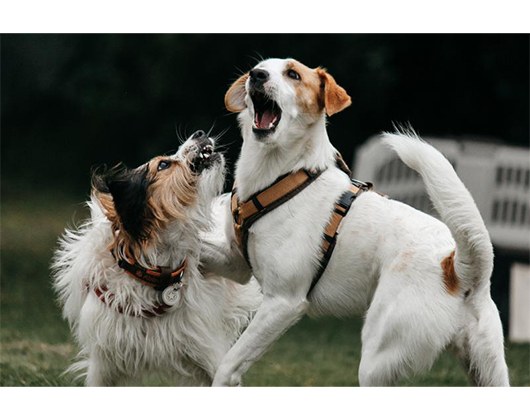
(457, 209)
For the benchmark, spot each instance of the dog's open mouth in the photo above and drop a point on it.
(267, 113)
(204, 158)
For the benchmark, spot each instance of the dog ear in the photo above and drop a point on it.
(335, 97)
(129, 192)
(128, 189)
(98, 181)
(235, 95)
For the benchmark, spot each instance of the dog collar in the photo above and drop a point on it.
(159, 278)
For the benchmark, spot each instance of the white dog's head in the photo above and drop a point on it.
(280, 98)
(166, 195)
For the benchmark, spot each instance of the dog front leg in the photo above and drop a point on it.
(273, 318)
(219, 258)
(100, 372)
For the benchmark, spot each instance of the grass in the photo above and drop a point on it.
(36, 345)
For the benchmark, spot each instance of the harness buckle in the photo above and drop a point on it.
(361, 184)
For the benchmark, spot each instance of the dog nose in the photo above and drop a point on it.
(198, 135)
(258, 76)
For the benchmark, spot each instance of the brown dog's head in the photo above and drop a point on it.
(283, 96)
(143, 202)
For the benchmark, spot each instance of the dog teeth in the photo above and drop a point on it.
(206, 152)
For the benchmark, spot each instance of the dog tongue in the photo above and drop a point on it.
(266, 118)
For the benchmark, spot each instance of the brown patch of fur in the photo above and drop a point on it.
(235, 95)
(449, 276)
(169, 192)
(308, 90)
(317, 90)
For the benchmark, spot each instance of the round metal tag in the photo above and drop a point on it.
(170, 295)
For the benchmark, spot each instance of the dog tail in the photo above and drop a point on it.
(473, 259)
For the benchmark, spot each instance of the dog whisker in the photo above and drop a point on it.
(257, 58)
(221, 134)
(180, 137)
(210, 130)
(239, 73)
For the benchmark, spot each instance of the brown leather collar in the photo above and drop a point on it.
(283, 189)
(158, 278)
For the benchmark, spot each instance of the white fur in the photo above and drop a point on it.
(386, 265)
(186, 343)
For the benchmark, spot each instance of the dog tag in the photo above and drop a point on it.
(170, 295)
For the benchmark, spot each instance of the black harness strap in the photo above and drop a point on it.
(342, 206)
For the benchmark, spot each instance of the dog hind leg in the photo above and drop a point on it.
(481, 346)
(392, 356)
(405, 329)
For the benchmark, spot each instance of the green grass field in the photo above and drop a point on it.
(36, 347)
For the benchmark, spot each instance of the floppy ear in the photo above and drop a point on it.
(128, 189)
(235, 95)
(335, 97)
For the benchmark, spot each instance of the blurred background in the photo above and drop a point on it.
(72, 102)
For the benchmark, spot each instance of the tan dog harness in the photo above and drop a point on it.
(245, 214)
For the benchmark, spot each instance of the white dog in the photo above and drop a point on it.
(421, 284)
(128, 279)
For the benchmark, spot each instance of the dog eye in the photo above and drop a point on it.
(164, 164)
(293, 75)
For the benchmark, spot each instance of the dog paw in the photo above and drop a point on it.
(227, 380)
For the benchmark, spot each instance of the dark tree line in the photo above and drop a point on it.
(69, 102)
